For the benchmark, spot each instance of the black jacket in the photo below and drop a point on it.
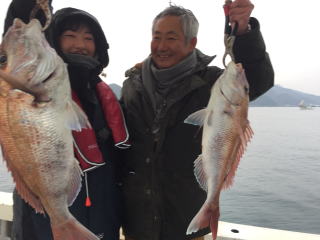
(160, 191)
(104, 215)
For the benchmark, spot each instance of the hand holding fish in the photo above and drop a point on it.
(240, 11)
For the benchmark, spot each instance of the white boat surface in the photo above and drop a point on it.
(226, 230)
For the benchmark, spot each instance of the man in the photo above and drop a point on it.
(160, 191)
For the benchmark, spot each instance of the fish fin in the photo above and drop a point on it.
(245, 137)
(23, 190)
(204, 218)
(72, 230)
(76, 118)
(75, 183)
(196, 118)
(249, 132)
(200, 173)
(27, 195)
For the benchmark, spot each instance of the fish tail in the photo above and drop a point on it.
(72, 230)
(204, 218)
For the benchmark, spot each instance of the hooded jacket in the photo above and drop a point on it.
(160, 190)
(91, 93)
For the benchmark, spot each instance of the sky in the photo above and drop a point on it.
(290, 30)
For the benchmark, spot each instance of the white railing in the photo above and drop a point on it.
(227, 231)
(5, 214)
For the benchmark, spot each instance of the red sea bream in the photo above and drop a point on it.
(37, 116)
(226, 131)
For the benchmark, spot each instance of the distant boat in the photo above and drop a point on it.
(303, 106)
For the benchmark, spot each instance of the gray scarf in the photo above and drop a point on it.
(159, 83)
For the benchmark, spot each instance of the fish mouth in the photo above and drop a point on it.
(18, 24)
(242, 78)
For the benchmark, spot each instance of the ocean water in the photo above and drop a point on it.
(6, 183)
(277, 184)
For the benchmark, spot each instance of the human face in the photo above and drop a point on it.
(80, 41)
(168, 45)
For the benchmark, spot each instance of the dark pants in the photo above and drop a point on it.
(28, 225)
(103, 217)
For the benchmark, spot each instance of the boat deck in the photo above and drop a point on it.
(226, 231)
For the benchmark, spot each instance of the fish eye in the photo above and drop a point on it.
(3, 59)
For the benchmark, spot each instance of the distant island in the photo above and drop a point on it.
(116, 89)
(277, 96)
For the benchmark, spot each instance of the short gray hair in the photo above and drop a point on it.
(189, 22)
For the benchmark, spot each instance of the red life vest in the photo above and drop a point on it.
(85, 142)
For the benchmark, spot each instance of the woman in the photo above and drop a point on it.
(79, 39)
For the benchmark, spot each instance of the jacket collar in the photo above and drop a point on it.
(196, 81)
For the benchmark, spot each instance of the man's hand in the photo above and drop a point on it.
(240, 11)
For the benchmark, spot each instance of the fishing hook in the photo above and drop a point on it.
(229, 33)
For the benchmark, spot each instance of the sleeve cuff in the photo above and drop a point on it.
(250, 47)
